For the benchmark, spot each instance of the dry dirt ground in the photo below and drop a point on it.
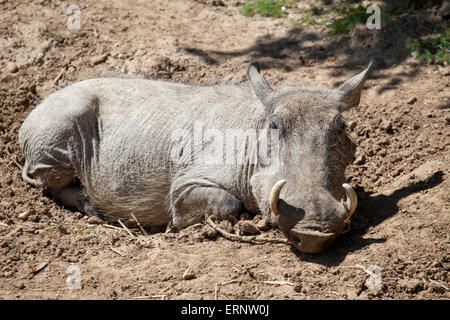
(401, 171)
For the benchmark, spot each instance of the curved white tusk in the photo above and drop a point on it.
(275, 195)
(352, 201)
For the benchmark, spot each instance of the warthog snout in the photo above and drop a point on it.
(312, 235)
(311, 241)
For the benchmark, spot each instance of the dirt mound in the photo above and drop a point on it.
(400, 173)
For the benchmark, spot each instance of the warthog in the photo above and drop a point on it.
(132, 145)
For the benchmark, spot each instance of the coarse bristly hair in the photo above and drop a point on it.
(116, 136)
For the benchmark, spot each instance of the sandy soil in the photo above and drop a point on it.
(401, 171)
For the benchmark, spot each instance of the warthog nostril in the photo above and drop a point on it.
(296, 241)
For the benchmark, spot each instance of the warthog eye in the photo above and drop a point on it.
(340, 123)
(275, 123)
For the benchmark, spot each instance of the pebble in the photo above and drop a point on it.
(95, 220)
(411, 285)
(99, 59)
(24, 215)
(386, 125)
(246, 227)
(298, 288)
(412, 100)
(12, 67)
(188, 274)
(209, 232)
(360, 159)
(263, 224)
(78, 215)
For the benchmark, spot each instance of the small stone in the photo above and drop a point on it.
(78, 215)
(412, 100)
(95, 220)
(71, 259)
(59, 252)
(386, 125)
(209, 232)
(62, 230)
(226, 225)
(188, 274)
(411, 285)
(360, 159)
(263, 224)
(8, 274)
(12, 67)
(4, 244)
(99, 59)
(247, 227)
(24, 215)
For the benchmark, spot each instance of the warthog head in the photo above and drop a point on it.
(306, 190)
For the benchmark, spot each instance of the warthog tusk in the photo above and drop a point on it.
(275, 195)
(352, 201)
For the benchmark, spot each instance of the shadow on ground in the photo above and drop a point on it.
(371, 212)
(299, 47)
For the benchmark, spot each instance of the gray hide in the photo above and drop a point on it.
(132, 144)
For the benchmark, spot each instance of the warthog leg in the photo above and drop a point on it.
(193, 202)
(72, 197)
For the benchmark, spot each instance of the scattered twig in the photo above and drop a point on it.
(359, 120)
(364, 269)
(3, 224)
(248, 239)
(55, 81)
(35, 97)
(216, 291)
(35, 271)
(358, 266)
(161, 296)
(439, 284)
(1, 159)
(170, 286)
(13, 159)
(125, 227)
(112, 227)
(226, 296)
(230, 282)
(139, 225)
(219, 285)
(280, 283)
(117, 251)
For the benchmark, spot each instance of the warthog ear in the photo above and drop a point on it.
(350, 91)
(259, 85)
